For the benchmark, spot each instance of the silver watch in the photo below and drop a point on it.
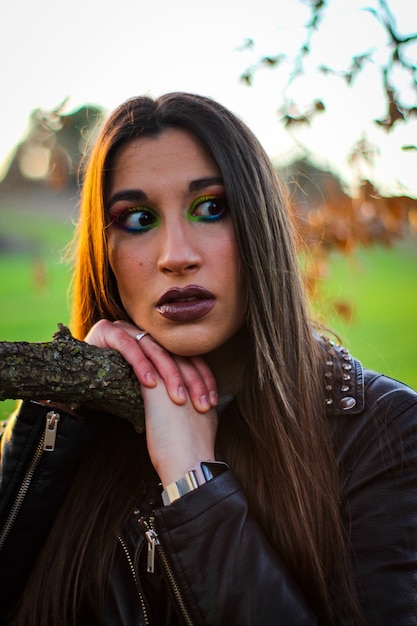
(198, 475)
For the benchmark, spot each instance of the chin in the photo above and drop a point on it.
(186, 347)
(189, 351)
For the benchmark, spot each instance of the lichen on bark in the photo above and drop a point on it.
(71, 372)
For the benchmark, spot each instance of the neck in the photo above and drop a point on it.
(227, 362)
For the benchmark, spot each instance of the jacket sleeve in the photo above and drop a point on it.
(239, 579)
(378, 458)
(33, 485)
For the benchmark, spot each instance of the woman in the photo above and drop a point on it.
(276, 480)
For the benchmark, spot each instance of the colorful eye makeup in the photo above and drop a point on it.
(210, 208)
(140, 219)
(137, 220)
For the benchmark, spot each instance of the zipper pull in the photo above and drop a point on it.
(153, 541)
(52, 419)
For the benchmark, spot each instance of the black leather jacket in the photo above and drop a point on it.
(209, 551)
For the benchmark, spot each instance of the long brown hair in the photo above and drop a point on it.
(275, 434)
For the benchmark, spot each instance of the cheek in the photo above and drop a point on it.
(117, 263)
(230, 267)
(239, 279)
(126, 268)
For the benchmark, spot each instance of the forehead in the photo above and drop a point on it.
(171, 152)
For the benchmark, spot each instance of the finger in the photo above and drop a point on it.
(118, 336)
(207, 375)
(149, 358)
(178, 373)
(199, 382)
(167, 368)
(163, 361)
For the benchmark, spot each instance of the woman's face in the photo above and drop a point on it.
(171, 243)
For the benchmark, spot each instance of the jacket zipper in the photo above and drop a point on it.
(46, 444)
(154, 545)
(132, 569)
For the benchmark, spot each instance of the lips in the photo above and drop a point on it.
(185, 304)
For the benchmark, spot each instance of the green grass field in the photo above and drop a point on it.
(380, 286)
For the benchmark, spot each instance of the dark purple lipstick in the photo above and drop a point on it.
(185, 304)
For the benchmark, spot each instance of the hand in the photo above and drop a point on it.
(177, 436)
(184, 378)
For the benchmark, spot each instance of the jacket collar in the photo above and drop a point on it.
(344, 381)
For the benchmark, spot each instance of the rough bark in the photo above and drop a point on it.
(71, 372)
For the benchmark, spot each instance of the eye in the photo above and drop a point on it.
(137, 220)
(208, 208)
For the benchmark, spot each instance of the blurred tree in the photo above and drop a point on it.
(53, 148)
(327, 218)
(326, 215)
(396, 62)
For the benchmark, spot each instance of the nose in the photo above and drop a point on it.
(179, 252)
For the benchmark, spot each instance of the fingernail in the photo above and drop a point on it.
(204, 402)
(150, 378)
(181, 392)
(213, 398)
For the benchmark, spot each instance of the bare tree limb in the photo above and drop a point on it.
(398, 107)
(71, 372)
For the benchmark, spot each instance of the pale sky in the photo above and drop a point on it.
(103, 51)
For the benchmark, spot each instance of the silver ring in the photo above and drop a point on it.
(140, 335)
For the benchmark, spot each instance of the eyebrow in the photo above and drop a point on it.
(202, 183)
(132, 195)
(137, 195)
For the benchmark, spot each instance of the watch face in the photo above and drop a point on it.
(211, 469)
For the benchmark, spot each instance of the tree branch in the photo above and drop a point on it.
(71, 372)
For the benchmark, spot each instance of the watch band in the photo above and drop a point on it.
(198, 475)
